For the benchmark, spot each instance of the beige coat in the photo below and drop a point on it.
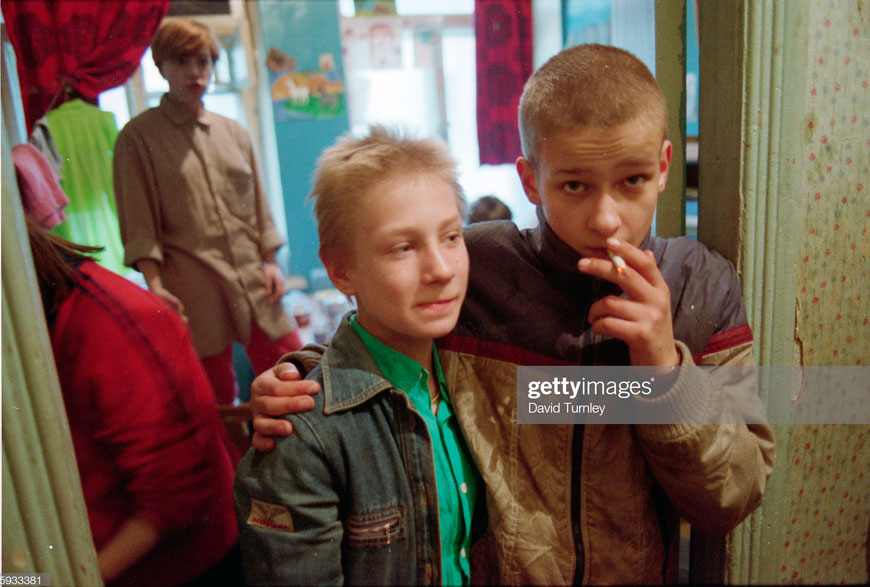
(715, 475)
(190, 197)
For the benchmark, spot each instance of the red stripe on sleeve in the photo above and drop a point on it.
(726, 340)
(496, 350)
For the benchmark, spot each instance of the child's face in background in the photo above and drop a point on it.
(188, 75)
(408, 266)
(595, 184)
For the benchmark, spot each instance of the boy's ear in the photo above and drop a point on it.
(664, 164)
(338, 270)
(526, 171)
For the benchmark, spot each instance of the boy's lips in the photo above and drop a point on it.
(437, 305)
(598, 252)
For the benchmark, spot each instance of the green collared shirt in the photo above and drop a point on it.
(455, 473)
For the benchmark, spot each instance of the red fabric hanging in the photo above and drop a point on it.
(84, 46)
(503, 35)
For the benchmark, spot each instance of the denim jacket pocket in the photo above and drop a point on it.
(377, 528)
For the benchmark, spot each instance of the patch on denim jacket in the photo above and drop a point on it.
(270, 516)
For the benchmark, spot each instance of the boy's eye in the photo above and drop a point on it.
(453, 237)
(635, 181)
(574, 187)
(403, 248)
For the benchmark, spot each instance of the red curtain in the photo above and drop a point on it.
(503, 34)
(82, 46)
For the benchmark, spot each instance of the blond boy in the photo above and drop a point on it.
(376, 485)
(594, 504)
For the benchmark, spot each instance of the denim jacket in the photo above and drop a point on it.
(350, 496)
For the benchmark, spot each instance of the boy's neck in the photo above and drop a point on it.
(421, 355)
(418, 349)
(434, 390)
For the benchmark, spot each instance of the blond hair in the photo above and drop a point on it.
(355, 165)
(588, 87)
(180, 37)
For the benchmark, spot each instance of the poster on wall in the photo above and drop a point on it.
(305, 94)
(372, 43)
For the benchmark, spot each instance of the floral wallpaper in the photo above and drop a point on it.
(828, 466)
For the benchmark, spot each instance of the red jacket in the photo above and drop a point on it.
(144, 425)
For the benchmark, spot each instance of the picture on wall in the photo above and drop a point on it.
(305, 94)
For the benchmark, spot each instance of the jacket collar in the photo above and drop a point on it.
(552, 251)
(179, 115)
(350, 375)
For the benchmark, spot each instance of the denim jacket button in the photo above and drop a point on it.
(462, 553)
(463, 488)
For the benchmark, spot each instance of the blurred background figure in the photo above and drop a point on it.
(156, 476)
(488, 208)
(194, 216)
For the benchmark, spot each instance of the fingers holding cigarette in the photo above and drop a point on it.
(626, 264)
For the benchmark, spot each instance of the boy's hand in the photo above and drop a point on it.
(643, 321)
(278, 392)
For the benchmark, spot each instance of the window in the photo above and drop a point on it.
(415, 69)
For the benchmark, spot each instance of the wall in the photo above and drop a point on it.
(303, 30)
(784, 137)
(827, 468)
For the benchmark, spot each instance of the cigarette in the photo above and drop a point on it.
(618, 261)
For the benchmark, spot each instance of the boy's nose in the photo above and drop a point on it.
(437, 266)
(604, 218)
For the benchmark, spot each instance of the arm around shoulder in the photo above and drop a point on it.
(280, 391)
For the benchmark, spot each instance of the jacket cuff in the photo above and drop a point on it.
(270, 241)
(685, 405)
(136, 250)
(305, 359)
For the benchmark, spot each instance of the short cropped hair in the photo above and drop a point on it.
(588, 87)
(180, 37)
(354, 165)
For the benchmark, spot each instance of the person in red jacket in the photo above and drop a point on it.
(156, 477)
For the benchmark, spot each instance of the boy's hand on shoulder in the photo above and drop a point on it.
(643, 321)
(274, 393)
